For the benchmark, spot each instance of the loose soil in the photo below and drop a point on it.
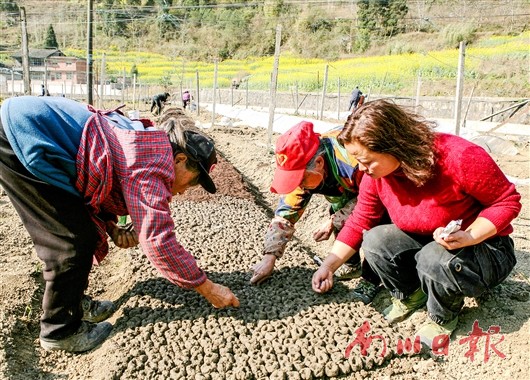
(283, 330)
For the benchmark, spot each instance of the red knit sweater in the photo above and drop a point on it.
(467, 184)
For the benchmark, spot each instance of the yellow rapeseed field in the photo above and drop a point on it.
(390, 73)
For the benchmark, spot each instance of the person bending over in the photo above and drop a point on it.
(306, 164)
(69, 170)
(159, 100)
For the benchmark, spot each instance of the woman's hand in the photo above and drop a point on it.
(480, 230)
(324, 231)
(456, 240)
(123, 237)
(322, 280)
(218, 295)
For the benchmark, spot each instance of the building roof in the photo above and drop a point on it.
(40, 53)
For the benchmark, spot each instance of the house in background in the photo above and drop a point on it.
(51, 66)
(59, 74)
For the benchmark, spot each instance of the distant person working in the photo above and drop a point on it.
(158, 102)
(44, 91)
(186, 98)
(356, 99)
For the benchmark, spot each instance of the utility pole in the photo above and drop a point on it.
(89, 73)
(25, 53)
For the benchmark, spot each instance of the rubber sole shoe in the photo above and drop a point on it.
(431, 330)
(96, 311)
(365, 292)
(401, 309)
(88, 336)
(348, 271)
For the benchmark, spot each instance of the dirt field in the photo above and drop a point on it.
(283, 330)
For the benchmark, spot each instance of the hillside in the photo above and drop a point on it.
(169, 44)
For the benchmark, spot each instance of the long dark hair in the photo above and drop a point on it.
(384, 127)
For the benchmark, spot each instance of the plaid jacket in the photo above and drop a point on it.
(130, 172)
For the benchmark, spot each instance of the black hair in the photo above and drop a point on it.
(174, 122)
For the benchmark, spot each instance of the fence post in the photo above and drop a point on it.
(459, 87)
(197, 89)
(324, 85)
(246, 93)
(274, 83)
(214, 89)
(418, 92)
(338, 98)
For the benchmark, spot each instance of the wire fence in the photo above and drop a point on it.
(138, 96)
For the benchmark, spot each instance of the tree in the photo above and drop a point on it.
(50, 41)
(396, 14)
(9, 6)
(9, 12)
(366, 25)
(134, 70)
(379, 18)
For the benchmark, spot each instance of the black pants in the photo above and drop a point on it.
(64, 237)
(157, 103)
(404, 263)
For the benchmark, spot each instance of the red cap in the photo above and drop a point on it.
(294, 149)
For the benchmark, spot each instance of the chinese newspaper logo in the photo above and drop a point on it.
(440, 344)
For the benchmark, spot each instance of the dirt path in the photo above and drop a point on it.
(282, 330)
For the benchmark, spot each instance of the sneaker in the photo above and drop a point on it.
(401, 309)
(88, 336)
(430, 330)
(345, 272)
(96, 311)
(348, 271)
(365, 291)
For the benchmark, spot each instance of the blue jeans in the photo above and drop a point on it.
(406, 262)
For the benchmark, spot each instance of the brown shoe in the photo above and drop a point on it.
(88, 336)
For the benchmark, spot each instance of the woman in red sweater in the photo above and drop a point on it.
(424, 180)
